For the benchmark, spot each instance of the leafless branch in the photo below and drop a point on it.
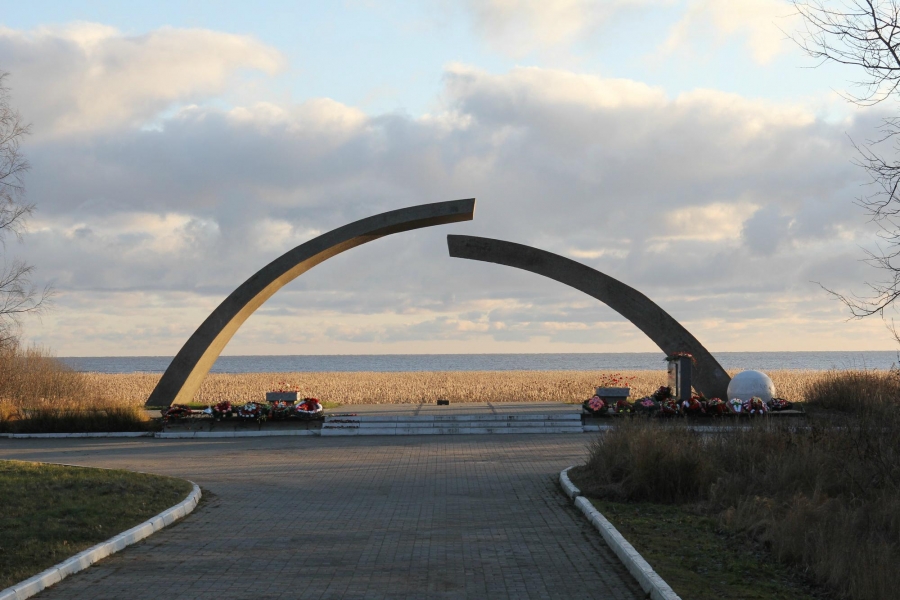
(18, 296)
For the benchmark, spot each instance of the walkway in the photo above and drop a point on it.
(370, 517)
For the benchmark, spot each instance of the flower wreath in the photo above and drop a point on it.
(779, 404)
(755, 406)
(253, 410)
(646, 404)
(669, 408)
(222, 409)
(735, 406)
(716, 406)
(694, 407)
(623, 406)
(176, 411)
(662, 394)
(280, 409)
(308, 407)
(594, 405)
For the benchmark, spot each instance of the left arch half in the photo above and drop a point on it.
(186, 371)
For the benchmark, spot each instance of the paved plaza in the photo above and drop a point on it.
(362, 517)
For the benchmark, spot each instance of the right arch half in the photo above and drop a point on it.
(709, 378)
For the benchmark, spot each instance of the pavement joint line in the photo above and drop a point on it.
(649, 580)
(85, 558)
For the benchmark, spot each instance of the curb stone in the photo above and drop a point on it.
(640, 569)
(97, 434)
(567, 485)
(233, 434)
(85, 558)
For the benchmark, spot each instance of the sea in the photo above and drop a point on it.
(612, 361)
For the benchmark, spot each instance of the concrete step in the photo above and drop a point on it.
(339, 431)
(348, 424)
(482, 424)
(426, 419)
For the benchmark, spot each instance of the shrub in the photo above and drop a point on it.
(40, 394)
(824, 497)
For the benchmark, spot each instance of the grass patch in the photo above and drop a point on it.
(51, 512)
(824, 499)
(49, 419)
(700, 560)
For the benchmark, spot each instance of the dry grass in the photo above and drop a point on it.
(38, 393)
(400, 388)
(826, 499)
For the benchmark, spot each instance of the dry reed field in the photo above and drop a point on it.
(413, 387)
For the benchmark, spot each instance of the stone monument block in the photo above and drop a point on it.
(281, 397)
(680, 380)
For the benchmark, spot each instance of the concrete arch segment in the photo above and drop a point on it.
(709, 377)
(185, 373)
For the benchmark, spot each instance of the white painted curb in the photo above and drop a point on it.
(164, 434)
(86, 558)
(567, 485)
(97, 434)
(233, 434)
(648, 579)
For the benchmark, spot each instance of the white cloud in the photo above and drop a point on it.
(86, 76)
(757, 23)
(518, 27)
(719, 221)
(719, 207)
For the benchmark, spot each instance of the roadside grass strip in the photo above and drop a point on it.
(54, 512)
(692, 557)
(654, 585)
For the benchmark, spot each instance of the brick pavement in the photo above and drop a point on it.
(379, 517)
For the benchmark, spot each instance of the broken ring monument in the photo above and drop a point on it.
(187, 370)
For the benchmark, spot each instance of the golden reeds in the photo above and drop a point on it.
(413, 387)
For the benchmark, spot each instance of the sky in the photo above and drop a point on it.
(685, 147)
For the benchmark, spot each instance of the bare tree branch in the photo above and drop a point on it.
(18, 297)
(866, 34)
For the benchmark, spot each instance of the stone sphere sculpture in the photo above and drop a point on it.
(747, 384)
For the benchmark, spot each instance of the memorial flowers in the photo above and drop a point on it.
(716, 407)
(594, 405)
(695, 406)
(280, 409)
(283, 387)
(647, 404)
(778, 404)
(176, 411)
(679, 355)
(222, 409)
(669, 408)
(307, 408)
(755, 406)
(615, 380)
(253, 410)
(623, 406)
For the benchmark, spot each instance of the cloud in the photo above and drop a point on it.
(757, 23)
(766, 230)
(85, 76)
(718, 207)
(519, 27)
